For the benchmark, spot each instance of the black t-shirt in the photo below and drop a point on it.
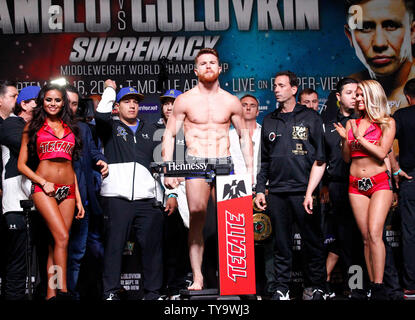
(331, 108)
(337, 169)
(405, 130)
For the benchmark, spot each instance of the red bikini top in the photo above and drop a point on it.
(372, 134)
(49, 146)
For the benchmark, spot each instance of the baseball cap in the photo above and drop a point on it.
(28, 93)
(171, 93)
(129, 91)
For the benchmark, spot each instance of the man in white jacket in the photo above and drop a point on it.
(131, 196)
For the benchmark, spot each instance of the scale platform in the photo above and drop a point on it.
(205, 294)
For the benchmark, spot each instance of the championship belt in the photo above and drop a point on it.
(262, 224)
(262, 227)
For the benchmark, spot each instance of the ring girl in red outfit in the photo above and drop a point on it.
(366, 142)
(53, 139)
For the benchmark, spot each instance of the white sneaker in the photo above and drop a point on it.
(329, 295)
(279, 295)
(113, 296)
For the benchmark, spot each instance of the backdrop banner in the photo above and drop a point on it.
(151, 45)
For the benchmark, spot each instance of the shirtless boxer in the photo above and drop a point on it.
(206, 112)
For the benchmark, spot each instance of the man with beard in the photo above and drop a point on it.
(206, 112)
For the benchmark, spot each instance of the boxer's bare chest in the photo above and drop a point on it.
(208, 110)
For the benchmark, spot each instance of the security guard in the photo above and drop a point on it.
(404, 173)
(340, 217)
(336, 178)
(291, 140)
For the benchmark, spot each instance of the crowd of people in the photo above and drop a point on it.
(86, 199)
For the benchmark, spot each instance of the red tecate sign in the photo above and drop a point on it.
(235, 235)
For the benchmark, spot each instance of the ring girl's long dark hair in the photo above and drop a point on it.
(40, 115)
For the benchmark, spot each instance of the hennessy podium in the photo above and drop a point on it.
(234, 224)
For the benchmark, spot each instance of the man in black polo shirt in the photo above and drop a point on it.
(291, 140)
(403, 172)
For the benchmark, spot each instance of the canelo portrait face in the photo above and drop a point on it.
(384, 42)
(207, 68)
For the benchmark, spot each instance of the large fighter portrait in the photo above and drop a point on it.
(381, 33)
(383, 41)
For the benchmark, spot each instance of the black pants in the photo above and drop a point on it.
(285, 208)
(147, 223)
(3, 253)
(391, 277)
(15, 274)
(348, 244)
(407, 210)
(175, 254)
